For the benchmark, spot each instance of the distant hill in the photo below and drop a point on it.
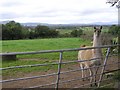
(4, 22)
(46, 24)
(26, 24)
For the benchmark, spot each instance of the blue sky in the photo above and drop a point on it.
(58, 11)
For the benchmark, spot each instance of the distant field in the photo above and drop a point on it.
(41, 44)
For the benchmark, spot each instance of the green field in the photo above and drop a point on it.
(41, 44)
(37, 45)
(44, 44)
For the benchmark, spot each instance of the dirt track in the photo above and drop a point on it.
(50, 79)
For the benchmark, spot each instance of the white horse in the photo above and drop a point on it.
(90, 54)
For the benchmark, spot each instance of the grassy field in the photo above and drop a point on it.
(37, 45)
(45, 44)
(41, 44)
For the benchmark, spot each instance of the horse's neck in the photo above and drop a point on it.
(97, 43)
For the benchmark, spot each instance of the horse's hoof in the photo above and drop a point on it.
(90, 85)
(96, 84)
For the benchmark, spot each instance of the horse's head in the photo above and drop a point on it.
(97, 31)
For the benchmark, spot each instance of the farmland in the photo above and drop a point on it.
(45, 44)
(41, 44)
(47, 58)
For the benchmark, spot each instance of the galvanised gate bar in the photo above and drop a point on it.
(59, 63)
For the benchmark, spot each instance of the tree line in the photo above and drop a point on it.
(14, 31)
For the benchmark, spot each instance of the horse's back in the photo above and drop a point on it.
(85, 54)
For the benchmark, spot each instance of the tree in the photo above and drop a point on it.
(5, 33)
(117, 3)
(53, 33)
(41, 31)
(113, 2)
(31, 35)
(12, 31)
(25, 32)
(74, 33)
(114, 30)
(77, 33)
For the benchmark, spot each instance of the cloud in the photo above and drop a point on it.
(10, 3)
(9, 15)
(57, 11)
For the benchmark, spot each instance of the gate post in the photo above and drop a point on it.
(59, 68)
(104, 64)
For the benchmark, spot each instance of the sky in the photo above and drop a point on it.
(58, 11)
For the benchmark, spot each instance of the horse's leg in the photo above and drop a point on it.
(82, 70)
(91, 75)
(96, 75)
(86, 77)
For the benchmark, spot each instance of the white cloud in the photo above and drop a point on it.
(57, 11)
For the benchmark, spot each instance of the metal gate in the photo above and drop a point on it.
(59, 63)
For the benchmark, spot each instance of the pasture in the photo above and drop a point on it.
(38, 45)
(47, 58)
(72, 77)
(42, 44)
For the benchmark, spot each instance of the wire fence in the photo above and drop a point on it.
(57, 83)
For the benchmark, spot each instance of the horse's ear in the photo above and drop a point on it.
(94, 27)
(100, 27)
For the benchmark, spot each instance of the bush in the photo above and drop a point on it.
(77, 33)
(114, 30)
(12, 31)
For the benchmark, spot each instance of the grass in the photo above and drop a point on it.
(27, 69)
(37, 45)
(42, 44)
